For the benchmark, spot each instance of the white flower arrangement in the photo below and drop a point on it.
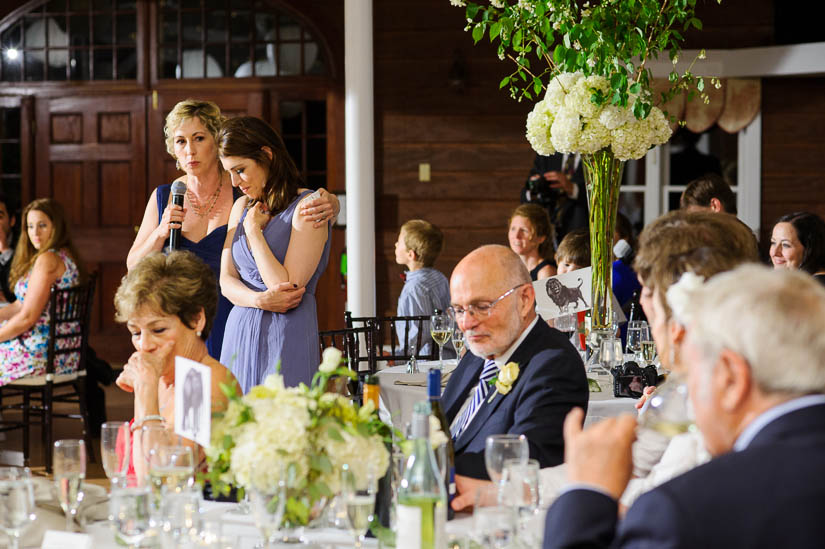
(568, 120)
(679, 295)
(304, 432)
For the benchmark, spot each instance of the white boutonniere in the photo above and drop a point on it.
(503, 382)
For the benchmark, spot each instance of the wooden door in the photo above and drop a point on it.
(91, 157)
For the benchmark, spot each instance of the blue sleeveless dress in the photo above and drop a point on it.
(257, 340)
(209, 250)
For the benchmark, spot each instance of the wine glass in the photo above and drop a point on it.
(115, 447)
(566, 323)
(151, 437)
(637, 331)
(610, 354)
(494, 523)
(520, 491)
(359, 498)
(171, 469)
(16, 502)
(458, 342)
(498, 448)
(268, 510)
(648, 351)
(441, 328)
(69, 471)
(667, 410)
(129, 510)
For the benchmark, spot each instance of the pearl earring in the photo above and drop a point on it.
(199, 333)
(177, 164)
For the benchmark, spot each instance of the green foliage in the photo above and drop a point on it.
(611, 38)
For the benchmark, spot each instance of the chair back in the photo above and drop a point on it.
(349, 342)
(69, 316)
(386, 330)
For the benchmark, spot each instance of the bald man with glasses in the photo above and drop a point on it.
(493, 303)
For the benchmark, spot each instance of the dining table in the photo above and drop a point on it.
(399, 391)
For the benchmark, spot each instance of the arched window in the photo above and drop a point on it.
(234, 38)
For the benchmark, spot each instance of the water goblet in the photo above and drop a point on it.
(153, 436)
(501, 447)
(267, 508)
(69, 463)
(637, 331)
(181, 519)
(648, 351)
(441, 329)
(16, 502)
(458, 342)
(171, 469)
(129, 510)
(493, 522)
(115, 447)
(359, 498)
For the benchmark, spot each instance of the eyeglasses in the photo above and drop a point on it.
(482, 309)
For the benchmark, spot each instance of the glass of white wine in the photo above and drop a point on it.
(637, 331)
(359, 498)
(16, 502)
(115, 448)
(458, 342)
(171, 469)
(69, 462)
(129, 510)
(648, 351)
(441, 328)
(667, 410)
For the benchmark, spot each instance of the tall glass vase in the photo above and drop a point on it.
(603, 176)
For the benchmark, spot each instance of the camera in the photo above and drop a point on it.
(629, 379)
(540, 192)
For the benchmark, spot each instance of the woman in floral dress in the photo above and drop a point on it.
(44, 256)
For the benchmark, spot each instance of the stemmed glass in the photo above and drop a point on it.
(115, 448)
(648, 350)
(667, 410)
(360, 501)
(499, 448)
(458, 342)
(441, 328)
(171, 469)
(637, 331)
(268, 510)
(494, 523)
(69, 472)
(16, 502)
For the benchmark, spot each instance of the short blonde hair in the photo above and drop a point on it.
(178, 284)
(423, 238)
(575, 248)
(206, 111)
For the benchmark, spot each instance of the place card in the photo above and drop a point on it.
(564, 294)
(193, 400)
(56, 539)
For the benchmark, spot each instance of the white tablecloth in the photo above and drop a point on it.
(397, 400)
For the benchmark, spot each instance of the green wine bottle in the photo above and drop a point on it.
(422, 497)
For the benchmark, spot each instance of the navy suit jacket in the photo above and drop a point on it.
(550, 383)
(769, 495)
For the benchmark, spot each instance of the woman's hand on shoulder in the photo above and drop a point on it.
(256, 219)
(321, 209)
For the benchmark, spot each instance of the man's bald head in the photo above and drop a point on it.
(483, 276)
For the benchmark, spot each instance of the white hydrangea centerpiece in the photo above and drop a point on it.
(304, 433)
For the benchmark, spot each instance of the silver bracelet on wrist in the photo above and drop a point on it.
(138, 423)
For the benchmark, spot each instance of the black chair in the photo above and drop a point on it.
(360, 358)
(69, 314)
(386, 335)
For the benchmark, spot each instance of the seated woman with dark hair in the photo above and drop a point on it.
(44, 256)
(168, 304)
(798, 242)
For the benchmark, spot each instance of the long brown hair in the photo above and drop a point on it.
(26, 254)
(540, 220)
(245, 137)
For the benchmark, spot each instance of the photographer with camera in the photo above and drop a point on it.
(557, 183)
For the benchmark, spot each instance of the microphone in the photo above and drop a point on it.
(178, 190)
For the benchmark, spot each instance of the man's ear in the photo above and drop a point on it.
(716, 205)
(733, 373)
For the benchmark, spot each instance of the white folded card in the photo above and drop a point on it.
(563, 294)
(55, 539)
(193, 400)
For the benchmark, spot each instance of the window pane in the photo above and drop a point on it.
(127, 29)
(239, 63)
(217, 61)
(210, 5)
(293, 147)
(10, 38)
(102, 34)
(58, 59)
(102, 4)
(11, 157)
(291, 118)
(103, 64)
(80, 66)
(317, 154)
(79, 30)
(265, 26)
(192, 26)
(691, 157)
(10, 123)
(316, 181)
(124, 4)
(56, 6)
(190, 4)
(289, 59)
(34, 65)
(310, 57)
(13, 70)
(239, 26)
(126, 64)
(168, 26)
(34, 35)
(316, 117)
(288, 29)
(216, 26)
(673, 198)
(58, 38)
(167, 61)
(79, 5)
(632, 206)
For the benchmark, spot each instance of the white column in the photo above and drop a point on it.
(360, 157)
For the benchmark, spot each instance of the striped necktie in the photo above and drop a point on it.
(479, 394)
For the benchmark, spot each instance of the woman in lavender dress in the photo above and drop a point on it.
(267, 244)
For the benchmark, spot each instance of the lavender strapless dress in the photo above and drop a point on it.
(255, 340)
